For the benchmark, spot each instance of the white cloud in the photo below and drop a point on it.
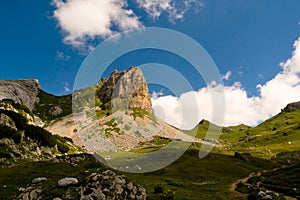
(66, 87)
(61, 56)
(84, 20)
(227, 76)
(173, 8)
(155, 95)
(239, 108)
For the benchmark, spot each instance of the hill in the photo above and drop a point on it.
(278, 134)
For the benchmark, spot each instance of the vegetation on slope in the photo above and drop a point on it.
(48, 102)
(187, 178)
(21, 141)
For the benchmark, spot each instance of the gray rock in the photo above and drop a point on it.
(39, 180)
(118, 181)
(34, 194)
(25, 196)
(126, 88)
(67, 182)
(131, 91)
(93, 187)
(55, 110)
(130, 186)
(7, 121)
(21, 91)
(115, 187)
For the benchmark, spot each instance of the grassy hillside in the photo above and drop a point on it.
(48, 103)
(187, 178)
(192, 178)
(278, 134)
(20, 175)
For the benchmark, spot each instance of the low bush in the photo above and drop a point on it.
(8, 132)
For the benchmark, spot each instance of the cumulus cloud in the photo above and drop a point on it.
(174, 9)
(84, 20)
(239, 107)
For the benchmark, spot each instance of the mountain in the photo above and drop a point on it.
(122, 114)
(41, 142)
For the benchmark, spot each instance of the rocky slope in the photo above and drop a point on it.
(21, 139)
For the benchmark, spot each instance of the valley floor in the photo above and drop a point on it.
(213, 177)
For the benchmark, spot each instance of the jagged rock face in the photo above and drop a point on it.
(21, 91)
(126, 88)
(108, 85)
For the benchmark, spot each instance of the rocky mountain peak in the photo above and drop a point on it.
(21, 91)
(126, 88)
(292, 107)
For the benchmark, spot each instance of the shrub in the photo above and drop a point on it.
(18, 106)
(8, 132)
(241, 187)
(62, 147)
(20, 120)
(41, 135)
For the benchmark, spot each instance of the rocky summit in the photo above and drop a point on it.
(21, 91)
(292, 107)
(125, 89)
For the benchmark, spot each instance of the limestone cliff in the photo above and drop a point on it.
(21, 91)
(126, 88)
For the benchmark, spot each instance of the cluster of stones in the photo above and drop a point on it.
(109, 185)
(105, 186)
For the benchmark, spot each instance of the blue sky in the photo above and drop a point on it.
(249, 38)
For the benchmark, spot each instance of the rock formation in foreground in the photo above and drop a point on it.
(105, 185)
